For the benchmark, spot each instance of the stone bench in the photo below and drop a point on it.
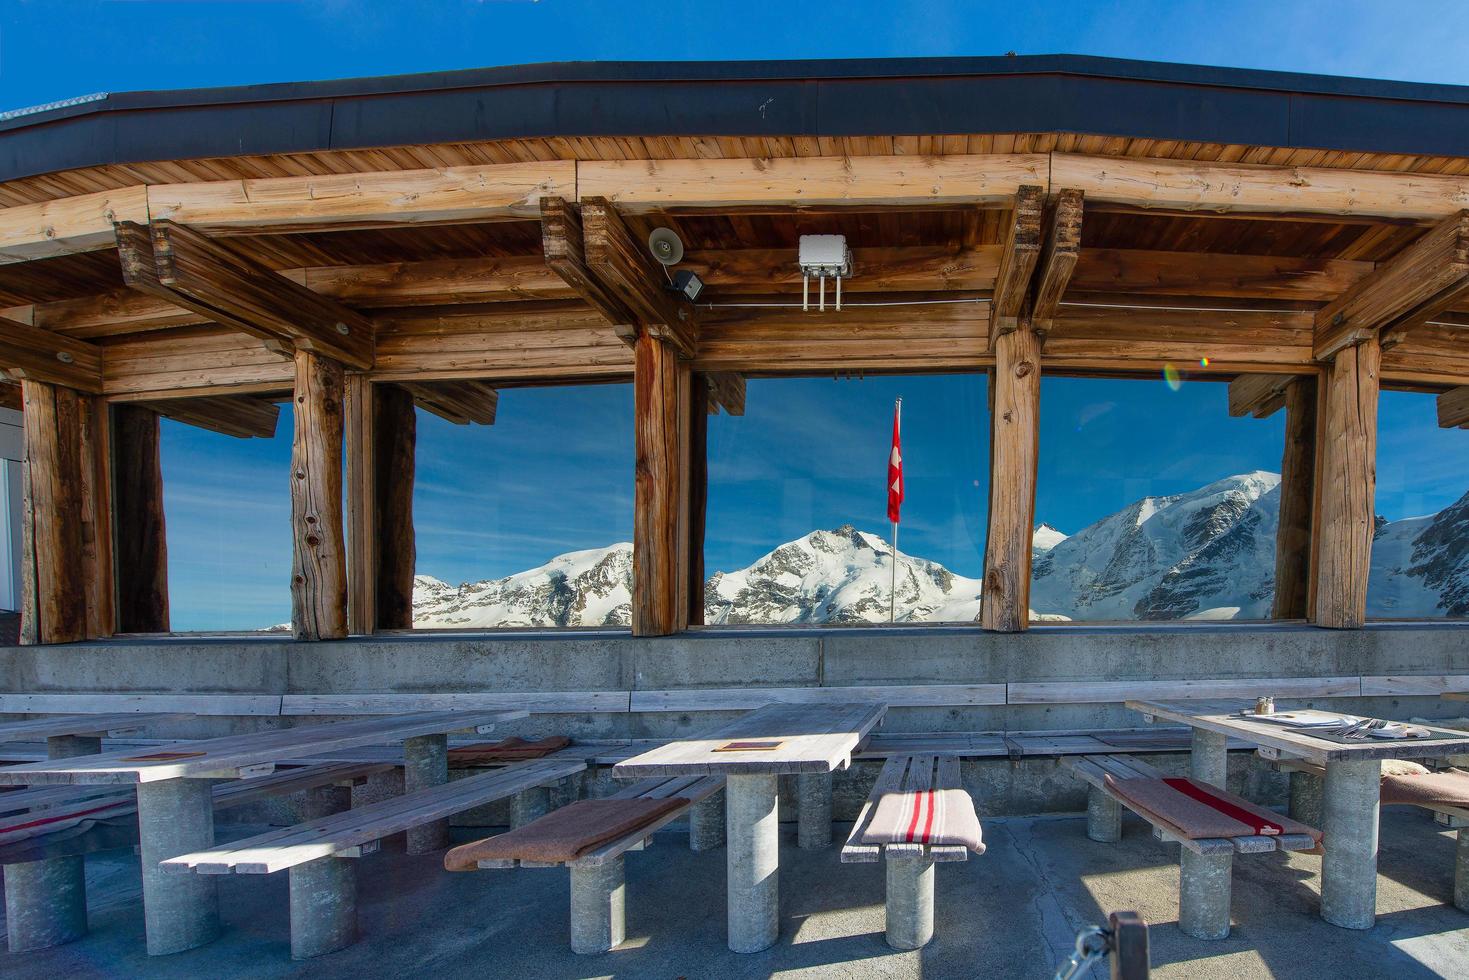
(598, 902)
(909, 865)
(45, 884)
(1307, 781)
(323, 883)
(1205, 864)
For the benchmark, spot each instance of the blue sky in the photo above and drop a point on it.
(555, 473)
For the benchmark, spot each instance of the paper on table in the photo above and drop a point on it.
(1304, 719)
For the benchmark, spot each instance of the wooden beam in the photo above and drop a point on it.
(1297, 500)
(638, 186)
(638, 282)
(52, 418)
(358, 426)
(661, 429)
(444, 195)
(726, 390)
(563, 246)
(459, 402)
(98, 506)
(1258, 395)
(1022, 247)
(1453, 408)
(1346, 480)
(1421, 281)
(241, 416)
(318, 567)
(137, 474)
(68, 225)
(395, 433)
(1146, 272)
(701, 406)
(1246, 189)
(247, 294)
(1057, 260)
(1014, 443)
(32, 354)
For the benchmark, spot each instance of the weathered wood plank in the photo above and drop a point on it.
(661, 432)
(69, 224)
(1108, 692)
(1022, 248)
(142, 579)
(627, 272)
(459, 402)
(98, 564)
(1346, 479)
(562, 243)
(1057, 260)
(394, 462)
(1297, 502)
(892, 695)
(318, 567)
(240, 416)
(359, 436)
(1258, 395)
(1014, 452)
(1453, 408)
(34, 354)
(53, 466)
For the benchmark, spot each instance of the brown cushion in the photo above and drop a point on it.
(1447, 788)
(1195, 819)
(565, 834)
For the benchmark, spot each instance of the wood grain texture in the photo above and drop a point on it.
(394, 454)
(1346, 479)
(1297, 501)
(629, 273)
(142, 544)
(68, 225)
(318, 565)
(1022, 247)
(459, 402)
(1258, 395)
(240, 416)
(52, 419)
(98, 544)
(701, 406)
(36, 354)
(1058, 259)
(563, 246)
(1014, 451)
(661, 431)
(358, 426)
(1423, 280)
(1453, 408)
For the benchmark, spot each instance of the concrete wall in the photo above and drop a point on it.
(577, 661)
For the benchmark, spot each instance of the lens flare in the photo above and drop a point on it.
(1172, 378)
(1203, 362)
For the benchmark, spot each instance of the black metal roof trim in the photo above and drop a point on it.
(1041, 93)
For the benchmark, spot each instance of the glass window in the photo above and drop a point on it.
(227, 519)
(527, 522)
(1153, 503)
(797, 529)
(1420, 553)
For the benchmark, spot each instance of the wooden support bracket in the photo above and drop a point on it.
(1022, 247)
(630, 274)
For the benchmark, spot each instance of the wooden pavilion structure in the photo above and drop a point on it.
(369, 246)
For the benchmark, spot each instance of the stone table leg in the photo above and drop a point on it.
(180, 911)
(1349, 866)
(425, 764)
(1209, 759)
(813, 810)
(1305, 798)
(706, 823)
(1461, 872)
(323, 892)
(45, 903)
(598, 907)
(753, 862)
(529, 805)
(909, 898)
(1103, 817)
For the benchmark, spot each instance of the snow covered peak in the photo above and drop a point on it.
(1044, 539)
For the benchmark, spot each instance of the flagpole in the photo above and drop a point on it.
(893, 585)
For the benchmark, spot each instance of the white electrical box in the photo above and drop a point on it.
(825, 255)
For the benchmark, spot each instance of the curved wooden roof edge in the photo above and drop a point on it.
(620, 110)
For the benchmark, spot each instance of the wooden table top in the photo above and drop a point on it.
(801, 738)
(111, 725)
(1455, 695)
(254, 754)
(1223, 716)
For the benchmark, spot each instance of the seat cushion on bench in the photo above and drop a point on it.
(513, 749)
(1447, 788)
(943, 817)
(565, 834)
(1181, 804)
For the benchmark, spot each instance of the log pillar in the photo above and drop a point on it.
(1346, 480)
(698, 493)
(1014, 444)
(318, 567)
(1297, 498)
(395, 434)
(660, 593)
(67, 556)
(142, 546)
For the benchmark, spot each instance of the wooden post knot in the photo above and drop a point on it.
(1023, 369)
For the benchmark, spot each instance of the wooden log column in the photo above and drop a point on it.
(660, 593)
(698, 492)
(395, 434)
(1014, 444)
(1346, 480)
(318, 567)
(1297, 499)
(142, 547)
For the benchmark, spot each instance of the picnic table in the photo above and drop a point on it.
(752, 752)
(1352, 787)
(176, 807)
(71, 735)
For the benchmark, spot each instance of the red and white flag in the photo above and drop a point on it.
(895, 464)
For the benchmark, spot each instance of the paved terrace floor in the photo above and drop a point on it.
(1011, 913)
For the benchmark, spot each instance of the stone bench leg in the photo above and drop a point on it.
(176, 816)
(909, 900)
(1203, 894)
(45, 903)
(528, 805)
(813, 810)
(426, 764)
(598, 907)
(1461, 872)
(706, 823)
(1103, 817)
(1305, 798)
(323, 906)
(1349, 821)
